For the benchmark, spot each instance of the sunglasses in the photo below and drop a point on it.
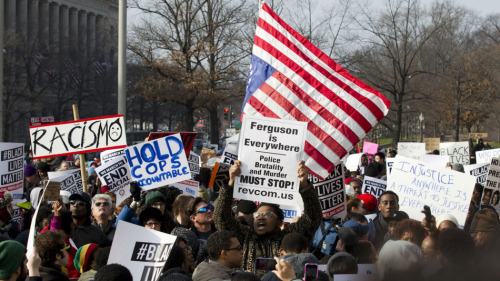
(65, 248)
(98, 204)
(203, 210)
(266, 215)
(77, 202)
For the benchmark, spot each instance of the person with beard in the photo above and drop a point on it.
(84, 232)
(263, 239)
(13, 261)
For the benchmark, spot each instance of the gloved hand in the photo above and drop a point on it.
(135, 190)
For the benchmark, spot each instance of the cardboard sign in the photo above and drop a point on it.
(194, 164)
(12, 169)
(480, 171)
(417, 184)
(413, 150)
(116, 175)
(458, 152)
(478, 135)
(370, 147)
(158, 162)
(143, 251)
(71, 180)
(492, 186)
(353, 161)
(267, 150)
(229, 156)
(485, 156)
(436, 160)
(331, 192)
(432, 144)
(52, 191)
(374, 186)
(109, 155)
(188, 187)
(187, 139)
(80, 136)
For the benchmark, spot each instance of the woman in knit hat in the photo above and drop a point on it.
(85, 261)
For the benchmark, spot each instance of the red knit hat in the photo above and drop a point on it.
(370, 201)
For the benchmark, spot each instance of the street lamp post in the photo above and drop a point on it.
(421, 118)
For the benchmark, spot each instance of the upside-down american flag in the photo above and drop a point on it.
(290, 78)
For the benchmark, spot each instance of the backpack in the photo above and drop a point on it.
(325, 238)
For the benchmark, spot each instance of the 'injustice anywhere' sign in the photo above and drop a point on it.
(269, 150)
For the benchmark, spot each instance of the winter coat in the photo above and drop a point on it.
(212, 270)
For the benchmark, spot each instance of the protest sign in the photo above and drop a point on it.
(370, 147)
(143, 251)
(158, 162)
(353, 161)
(374, 186)
(436, 160)
(109, 155)
(389, 162)
(186, 137)
(485, 156)
(491, 193)
(187, 187)
(293, 210)
(478, 135)
(331, 192)
(432, 144)
(458, 152)
(116, 175)
(71, 180)
(52, 191)
(79, 136)
(267, 150)
(417, 184)
(229, 156)
(480, 171)
(12, 169)
(413, 150)
(37, 121)
(194, 164)
(220, 172)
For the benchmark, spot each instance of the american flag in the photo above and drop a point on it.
(98, 68)
(73, 70)
(290, 78)
(40, 60)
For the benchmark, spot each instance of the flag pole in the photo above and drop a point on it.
(76, 116)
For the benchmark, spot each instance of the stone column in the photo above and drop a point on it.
(100, 34)
(73, 31)
(32, 20)
(54, 28)
(43, 24)
(22, 18)
(91, 35)
(82, 34)
(63, 31)
(10, 15)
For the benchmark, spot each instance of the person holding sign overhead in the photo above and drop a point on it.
(263, 239)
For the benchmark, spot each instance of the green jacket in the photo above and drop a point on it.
(255, 246)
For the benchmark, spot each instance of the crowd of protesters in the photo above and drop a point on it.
(220, 238)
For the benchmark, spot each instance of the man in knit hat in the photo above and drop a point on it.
(31, 177)
(12, 261)
(483, 224)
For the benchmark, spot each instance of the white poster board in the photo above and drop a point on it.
(374, 186)
(143, 251)
(293, 210)
(389, 162)
(458, 152)
(479, 171)
(413, 150)
(436, 160)
(110, 155)
(80, 136)
(484, 156)
(267, 150)
(158, 162)
(187, 187)
(116, 175)
(71, 180)
(353, 161)
(331, 192)
(194, 163)
(417, 184)
(492, 186)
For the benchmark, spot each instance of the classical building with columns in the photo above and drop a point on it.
(58, 53)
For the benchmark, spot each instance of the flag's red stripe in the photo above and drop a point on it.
(291, 46)
(318, 108)
(318, 157)
(341, 103)
(323, 57)
(299, 116)
(260, 107)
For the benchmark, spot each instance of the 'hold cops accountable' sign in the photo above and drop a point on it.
(80, 136)
(158, 162)
(270, 150)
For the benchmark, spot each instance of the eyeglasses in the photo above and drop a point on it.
(153, 224)
(238, 248)
(105, 204)
(203, 210)
(266, 215)
(80, 203)
(65, 248)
